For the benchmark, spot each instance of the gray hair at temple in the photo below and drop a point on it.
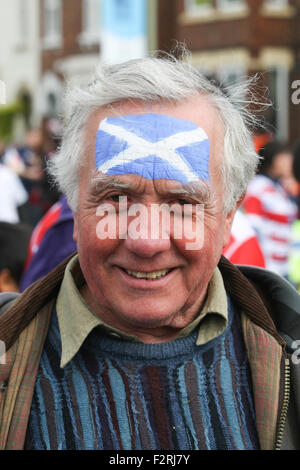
(153, 80)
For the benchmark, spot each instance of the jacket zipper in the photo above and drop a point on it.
(285, 404)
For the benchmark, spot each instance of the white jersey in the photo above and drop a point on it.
(271, 212)
(243, 246)
(12, 195)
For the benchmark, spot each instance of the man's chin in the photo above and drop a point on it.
(146, 317)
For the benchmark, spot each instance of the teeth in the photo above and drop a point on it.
(151, 276)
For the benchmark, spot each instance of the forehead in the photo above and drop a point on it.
(152, 136)
(153, 146)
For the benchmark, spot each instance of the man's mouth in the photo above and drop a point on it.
(150, 276)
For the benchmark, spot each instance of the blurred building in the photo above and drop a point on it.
(43, 43)
(77, 34)
(20, 60)
(69, 37)
(230, 39)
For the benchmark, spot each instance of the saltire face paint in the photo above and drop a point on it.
(153, 146)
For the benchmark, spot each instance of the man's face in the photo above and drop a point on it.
(150, 286)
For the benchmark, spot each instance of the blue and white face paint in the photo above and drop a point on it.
(153, 146)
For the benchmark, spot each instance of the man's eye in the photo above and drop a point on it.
(182, 202)
(114, 197)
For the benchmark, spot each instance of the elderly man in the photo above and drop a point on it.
(149, 338)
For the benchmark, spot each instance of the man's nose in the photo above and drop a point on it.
(148, 239)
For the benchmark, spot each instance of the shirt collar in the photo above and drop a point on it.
(76, 319)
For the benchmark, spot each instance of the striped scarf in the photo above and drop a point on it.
(120, 395)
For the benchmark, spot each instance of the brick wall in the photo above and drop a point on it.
(72, 27)
(252, 32)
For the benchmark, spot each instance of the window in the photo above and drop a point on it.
(231, 75)
(49, 102)
(90, 22)
(52, 24)
(276, 4)
(231, 5)
(198, 7)
(202, 2)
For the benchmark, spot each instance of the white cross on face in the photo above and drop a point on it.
(139, 147)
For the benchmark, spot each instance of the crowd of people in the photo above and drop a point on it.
(26, 192)
(26, 195)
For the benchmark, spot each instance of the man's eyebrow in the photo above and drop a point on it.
(199, 190)
(100, 183)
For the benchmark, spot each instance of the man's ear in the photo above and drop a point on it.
(229, 220)
(7, 282)
(75, 229)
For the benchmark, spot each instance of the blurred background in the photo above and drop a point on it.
(44, 43)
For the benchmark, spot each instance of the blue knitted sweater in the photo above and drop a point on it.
(117, 394)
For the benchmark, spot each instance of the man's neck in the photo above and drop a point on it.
(146, 332)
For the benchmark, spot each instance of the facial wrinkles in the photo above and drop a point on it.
(102, 186)
(201, 192)
(100, 183)
(153, 146)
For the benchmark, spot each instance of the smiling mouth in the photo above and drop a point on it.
(150, 276)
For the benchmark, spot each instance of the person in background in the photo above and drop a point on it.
(270, 207)
(243, 246)
(14, 240)
(29, 162)
(294, 256)
(296, 171)
(51, 242)
(13, 195)
(35, 178)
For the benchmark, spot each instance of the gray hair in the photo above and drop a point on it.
(153, 80)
